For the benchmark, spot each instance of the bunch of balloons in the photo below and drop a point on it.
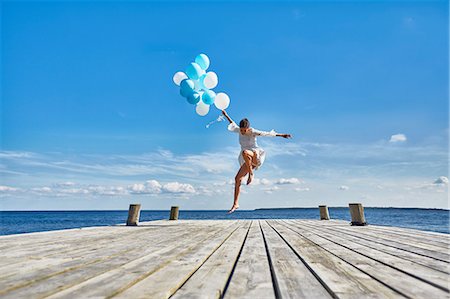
(196, 86)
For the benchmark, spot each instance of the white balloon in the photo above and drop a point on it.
(211, 80)
(178, 77)
(222, 101)
(202, 109)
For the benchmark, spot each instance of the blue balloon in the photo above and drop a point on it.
(203, 61)
(194, 71)
(193, 98)
(208, 97)
(186, 87)
(202, 85)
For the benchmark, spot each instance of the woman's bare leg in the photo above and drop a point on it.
(237, 187)
(250, 161)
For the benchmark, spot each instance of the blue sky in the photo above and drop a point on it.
(91, 117)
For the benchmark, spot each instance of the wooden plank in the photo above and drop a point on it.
(407, 285)
(343, 279)
(95, 253)
(41, 239)
(414, 235)
(413, 257)
(425, 233)
(411, 246)
(82, 250)
(23, 247)
(72, 250)
(440, 239)
(107, 263)
(251, 277)
(413, 269)
(28, 276)
(58, 245)
(164, 283)
(294, 279)
(210, 279)
(189, 259)
(117, 279)
(408, 235)
(30, 243)
(55, 242)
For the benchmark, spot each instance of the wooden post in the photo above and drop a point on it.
(133, 214)
(173, 213)
(324, 215)
(357, 213)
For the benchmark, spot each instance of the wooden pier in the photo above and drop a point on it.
(229, 259)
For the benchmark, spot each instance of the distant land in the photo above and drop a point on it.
(345, 207)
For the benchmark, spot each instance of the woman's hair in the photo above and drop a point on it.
(244, 123)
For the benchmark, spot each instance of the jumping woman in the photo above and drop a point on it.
(251, 156)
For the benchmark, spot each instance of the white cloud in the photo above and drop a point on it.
(42, 190)
(65, 184)
(138, 189)
(344, 188)
(302, 189)
(438, 185)
(442, 180)
(271, 189)
(7, 189)
(175, 187)
(15, 155)
(107, 190)
(74, 191)
(149, 187)
(398, 138)
(159, 163)
(288, 181)
(274, 149)
(155, 187)
(258, 181)
(265, 182)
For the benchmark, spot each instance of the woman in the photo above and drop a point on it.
(251, 156)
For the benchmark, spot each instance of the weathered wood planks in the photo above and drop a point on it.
(227, 259)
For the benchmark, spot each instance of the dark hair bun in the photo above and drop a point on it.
(244, 123)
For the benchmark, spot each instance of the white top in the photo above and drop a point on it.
(248, 141)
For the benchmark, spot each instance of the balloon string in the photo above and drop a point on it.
(219, 119)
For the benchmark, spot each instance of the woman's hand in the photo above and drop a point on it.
(287, 136)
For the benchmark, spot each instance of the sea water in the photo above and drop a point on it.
(15, 222)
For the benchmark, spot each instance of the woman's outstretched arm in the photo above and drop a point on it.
(227, 116)
(271, 134)
(232, 126)
(284, 135)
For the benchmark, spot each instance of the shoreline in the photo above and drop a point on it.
(241, 210)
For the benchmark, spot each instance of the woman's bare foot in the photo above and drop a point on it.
(250, 178)
(233, 208)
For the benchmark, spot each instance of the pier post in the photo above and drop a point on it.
(324, 215)
(174, 213)
(133, 214)
(357, 213)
